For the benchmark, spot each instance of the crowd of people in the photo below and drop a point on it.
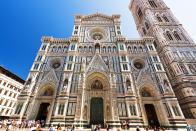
(12, 125)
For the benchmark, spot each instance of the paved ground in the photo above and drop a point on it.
(84, 130)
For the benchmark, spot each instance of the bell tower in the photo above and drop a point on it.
(175, 48)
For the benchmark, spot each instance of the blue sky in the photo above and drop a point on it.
(24, 22)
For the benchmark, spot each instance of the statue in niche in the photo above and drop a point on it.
(166, 84)
(128, 83)
(108, 112)
(65, 84)
(97, 85)
(85, 113)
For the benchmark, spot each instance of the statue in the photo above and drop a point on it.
(65, 85)
(85, 113)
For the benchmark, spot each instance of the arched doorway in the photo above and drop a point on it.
(96, 111)
(43, 111)
(43, 103)
(150, 101)
(151, 115)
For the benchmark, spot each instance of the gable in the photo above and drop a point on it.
(97, 65)
(97, 17)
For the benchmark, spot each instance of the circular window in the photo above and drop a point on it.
(139, 64)
(97, 36)
(56, 65)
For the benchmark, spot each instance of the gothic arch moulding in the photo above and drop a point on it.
(148, 90)
(97, 80)
(46, 90)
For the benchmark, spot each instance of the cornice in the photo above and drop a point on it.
(50, 39)
(140, 41)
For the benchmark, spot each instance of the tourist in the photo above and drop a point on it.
(51, 128)
(99, 127)
(72, 128)
(188, 127)
(155, 128)
(107, 127)
(147, 128)
(137, 128)
(59, 127)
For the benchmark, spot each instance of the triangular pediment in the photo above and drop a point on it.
(97, 65)
(144, 77)
(50, 77)
(97, 17)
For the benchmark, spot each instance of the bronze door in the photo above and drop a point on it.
(151, 115)
(96, 111)
(43, 111)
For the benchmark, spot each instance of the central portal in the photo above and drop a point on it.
(43, 111)
(151, 115)
(96, 111)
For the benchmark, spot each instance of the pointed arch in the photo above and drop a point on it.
(169, 36)
(159, 18)
(177, 36)
(147, 25)
(165, 18)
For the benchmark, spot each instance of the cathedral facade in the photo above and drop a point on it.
(97, 76)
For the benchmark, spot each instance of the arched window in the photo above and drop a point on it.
(129, 49)
(133, 110)
(80, 49)
(128, 83)
(135, 49)
(141, 49)
(166, 83)
(97, 47)
(54, 49)
(177, 36)
(144, 31)
(104, 49)
(155, 44)
(169, 35)
(114, 49)
(65, 82)
(139, 13)
(90, 49)
(165, 18)
(159, 18)
(85, 49)
(59, 49)
(152, 3)
(65, 49)
(109, 49)
(147, 26)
